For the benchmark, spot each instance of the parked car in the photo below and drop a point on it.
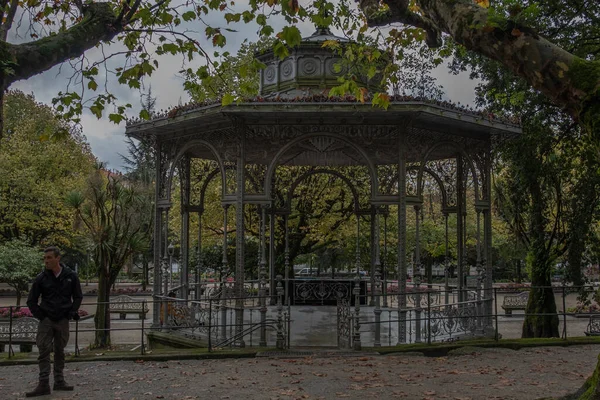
(306, 272)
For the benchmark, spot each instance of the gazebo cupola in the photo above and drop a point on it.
(310, 68)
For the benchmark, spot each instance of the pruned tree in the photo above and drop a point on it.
(19, 264)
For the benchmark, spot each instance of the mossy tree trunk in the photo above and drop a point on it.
(590, 389)
(541, 319)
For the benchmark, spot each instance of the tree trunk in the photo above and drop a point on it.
(102, 318)
(541, 319)
(518, 271)
(19, 294)
(590, 389)
(574, 258)
(2, 92)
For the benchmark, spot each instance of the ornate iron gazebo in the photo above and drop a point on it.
(293, 123)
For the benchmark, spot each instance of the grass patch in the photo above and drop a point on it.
(442, 349)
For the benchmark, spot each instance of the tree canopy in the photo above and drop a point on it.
(37, 173)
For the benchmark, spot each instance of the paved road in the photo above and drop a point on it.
(477, 374)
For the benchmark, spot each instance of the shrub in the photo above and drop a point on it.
(16, 312)
(25, 312)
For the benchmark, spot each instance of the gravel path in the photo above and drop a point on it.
(472, 373)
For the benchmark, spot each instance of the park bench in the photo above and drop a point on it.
(515, 302)
(124, 305)
(593, 327)
(24, 332)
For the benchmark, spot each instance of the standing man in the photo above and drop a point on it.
(61, 297)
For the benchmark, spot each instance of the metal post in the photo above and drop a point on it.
(356, 339)
(199, 268)
(418, 309)
(286, 273)
(280, 344)
(77, 353)
(496, 313)
(446, 264)
(165, 324)
(144, 307)
(240, 236)
(417, 275)
(479, 269)
(374, 242)
(384, 273)
(272, 251)
(224, 271)
(401, 274)
(428, 317)
(210, 301)
(10, 332)
(377, 309)
(564, 313)
(262, 282)
(357, 245)
(459, 228)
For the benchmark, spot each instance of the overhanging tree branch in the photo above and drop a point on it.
(32, 58)
(568, 81)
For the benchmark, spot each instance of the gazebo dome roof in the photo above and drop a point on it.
(322, 34)
(309, 69)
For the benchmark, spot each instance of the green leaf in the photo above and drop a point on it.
(229, 17)
(267, 30)
(97, 110)
(116, 118)
(189, 16)
(92, 85)
(291, 35)
(280, 50)
(144, 114)
(227, 99)
(247, 16)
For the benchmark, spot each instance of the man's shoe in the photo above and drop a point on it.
(42, 389)
(62, 385)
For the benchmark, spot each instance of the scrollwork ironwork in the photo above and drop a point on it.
(446, 322)
(320, 291)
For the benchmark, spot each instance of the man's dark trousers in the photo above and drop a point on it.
(52, 335)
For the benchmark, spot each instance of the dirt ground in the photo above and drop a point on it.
(469, 373)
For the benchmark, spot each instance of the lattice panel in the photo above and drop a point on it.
(387, 176)
(446, 172)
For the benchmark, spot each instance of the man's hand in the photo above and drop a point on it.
(74, 315)
(39, 315)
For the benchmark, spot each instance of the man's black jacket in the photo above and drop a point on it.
(60, 296)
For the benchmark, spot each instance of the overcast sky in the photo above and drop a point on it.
(107, 139)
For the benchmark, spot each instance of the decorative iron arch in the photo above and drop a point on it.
(462, 152)
(274, 163)
(181, 153)
(302, 177)
(436, 178)
(211, 175)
